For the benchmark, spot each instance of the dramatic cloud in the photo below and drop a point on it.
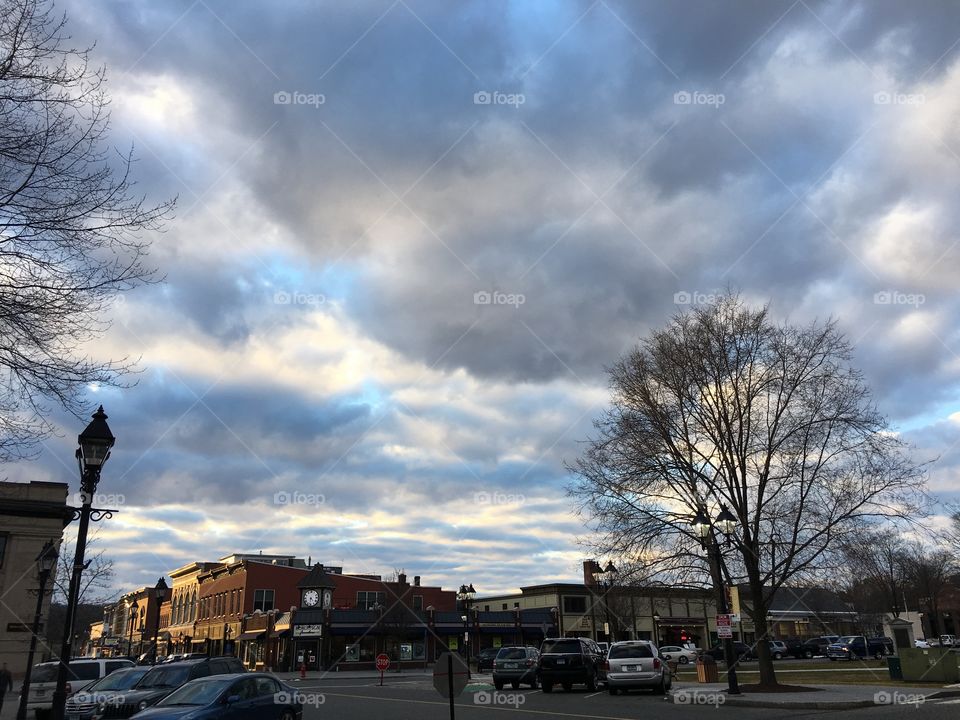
(412, 235)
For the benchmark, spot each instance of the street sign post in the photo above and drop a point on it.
(383, 664)
(450, 676)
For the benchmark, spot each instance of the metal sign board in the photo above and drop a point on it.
(724, 632)
(447, 682)
(307, 630)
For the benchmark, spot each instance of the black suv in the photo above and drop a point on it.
(161, 681)
(565, 661)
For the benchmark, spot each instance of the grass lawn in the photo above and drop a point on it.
(870, 672)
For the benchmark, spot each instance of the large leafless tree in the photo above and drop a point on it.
(725, 407)
(875, 569)
(70, 223)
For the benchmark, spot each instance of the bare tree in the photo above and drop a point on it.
(724, 407)
(96, 587)
(929, 569)
(876, 568)
(69, 223)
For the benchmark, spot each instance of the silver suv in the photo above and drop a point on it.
(636, 664)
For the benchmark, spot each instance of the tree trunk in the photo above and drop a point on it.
(758, 612)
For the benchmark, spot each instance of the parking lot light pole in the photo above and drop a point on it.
(95, 442)
(726, 524)
(608, 582)
(46, 561)
(160, 593)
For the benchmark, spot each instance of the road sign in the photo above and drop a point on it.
(724, 627)
(723, 620)
(450, 674)
(383, 662)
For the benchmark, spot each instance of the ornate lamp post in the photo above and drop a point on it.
(46, 561)
(160, 593)
(608, 582)
(726, 523)
(131, 619)
(95, 443)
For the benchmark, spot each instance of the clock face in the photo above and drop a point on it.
(311, 598)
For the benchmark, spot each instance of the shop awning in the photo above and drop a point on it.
(252, 635)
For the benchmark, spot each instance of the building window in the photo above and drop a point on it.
(263, 600)
(418, 602)
(369, 600)
(516, 605)
(504, 606)
(486, 608)
(3, 547)
(574, 604)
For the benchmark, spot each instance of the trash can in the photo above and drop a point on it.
(707, 670)
(893, 665)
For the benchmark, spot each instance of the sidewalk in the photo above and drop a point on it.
(825, 697)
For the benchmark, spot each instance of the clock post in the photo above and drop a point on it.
(316, 598)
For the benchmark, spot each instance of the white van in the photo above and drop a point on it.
(82, 672)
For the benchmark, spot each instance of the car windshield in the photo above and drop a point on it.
(164, 677)
(512, 654)
(561, 646)
(847, 639)
(119, 680)
(197, 693)
(630, 651)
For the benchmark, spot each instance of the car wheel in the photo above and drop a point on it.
(878, 655)
(287, 715)
(533, 683)
(567, 687)
(515, 684)
(498, 684)
(808, 654)
(612, 690)
(547, 687)
(684, 660)
(659, 689)
(777, 656)
(591, 683)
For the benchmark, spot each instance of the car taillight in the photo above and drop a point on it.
(656, 663)
(605, 664)
(494, 664)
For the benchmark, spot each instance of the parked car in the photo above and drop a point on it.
(568, 661)
(604, 647)
(949, 641)
(921, 644)
(812, 647)
(486, 657)
(229, 697)
(742, 650)
(636, 664)
(850, 647)
(83, 705)
(160, 681)
(681, 655)
(81, 672)
(516, 665)
(778, 649)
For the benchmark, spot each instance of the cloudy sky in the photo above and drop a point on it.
(410, 236)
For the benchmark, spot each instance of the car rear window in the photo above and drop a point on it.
(85, 671)
(165, 677)
(561, 646)
(512, 654)
(630, 651)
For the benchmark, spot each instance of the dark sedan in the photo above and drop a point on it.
(246, 696)
(485, 658)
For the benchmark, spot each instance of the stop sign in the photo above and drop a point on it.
(383, 662)
(450, 666)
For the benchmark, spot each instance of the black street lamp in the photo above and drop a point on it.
(46, 561)
(726, 523)
(95, 443)
(160, 593)
(131, 619)
(607, 582)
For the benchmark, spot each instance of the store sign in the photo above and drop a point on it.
(307, 630)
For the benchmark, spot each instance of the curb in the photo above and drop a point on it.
(746, 701)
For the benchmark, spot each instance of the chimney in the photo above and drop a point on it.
(416, 581)
(402, 578)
